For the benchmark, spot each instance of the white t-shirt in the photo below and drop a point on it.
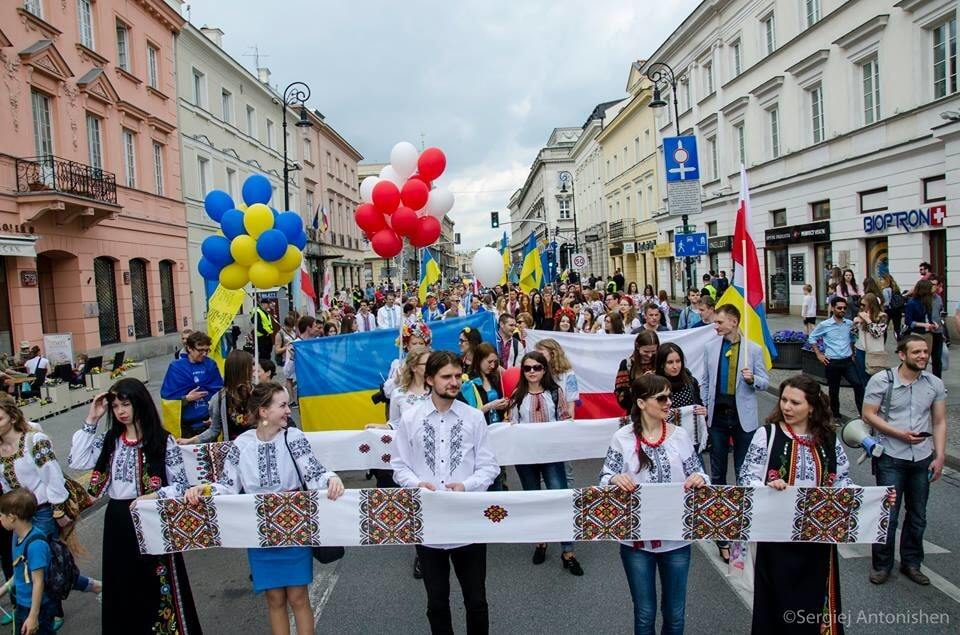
(35, 363)
(809, 306)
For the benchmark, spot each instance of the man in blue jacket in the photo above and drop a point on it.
(192, 379)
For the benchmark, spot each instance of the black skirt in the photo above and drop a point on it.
(142, 593)
(796, 589)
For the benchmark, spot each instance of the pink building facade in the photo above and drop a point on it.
(92, 221)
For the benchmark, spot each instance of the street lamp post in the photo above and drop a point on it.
(661, 73)
(295, 92)
(566, 177)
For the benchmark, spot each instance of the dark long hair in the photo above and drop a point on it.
(923, 291)
(146, 419)
(660, 362)
(238, 377)
(616, 322)
(480, 353)
(548, 383)
(644, 387)
(820, 420)
(645, 337)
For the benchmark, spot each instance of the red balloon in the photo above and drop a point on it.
(386, 197)
(369, 219)
(427, 232)
(414, 193)
(404, 221)
(509, 380)
(386, 243)
(431, 163)
(417, 177)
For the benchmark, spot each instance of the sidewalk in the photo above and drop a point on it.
(849, 409)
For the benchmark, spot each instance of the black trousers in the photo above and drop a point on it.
(470, 566)
(837, 370)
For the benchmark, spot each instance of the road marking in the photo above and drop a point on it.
(319, 592)
(740, 584)
(861, 550)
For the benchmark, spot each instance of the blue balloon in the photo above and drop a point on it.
(290, 224)
(271, 245)
(216, 249)
(257, 189)
(232, 224)
(208, 270)
(301, 241)
(216, 203)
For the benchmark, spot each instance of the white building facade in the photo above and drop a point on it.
(845, 116)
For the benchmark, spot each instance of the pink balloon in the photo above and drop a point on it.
(386, 243)
(404, 221)
(386, 197)
(431, 163)
(414, 194)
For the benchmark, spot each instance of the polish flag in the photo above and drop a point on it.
(746, 275)
(306, 286)
(327, 300)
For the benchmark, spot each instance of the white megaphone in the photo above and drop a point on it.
(856, 434)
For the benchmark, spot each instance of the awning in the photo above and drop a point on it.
(18, 246)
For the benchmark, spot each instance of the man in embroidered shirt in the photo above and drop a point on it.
(431, 441)
(389, 315)
(366, 321)
(837, 334)
(912, 458)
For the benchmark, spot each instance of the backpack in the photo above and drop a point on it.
(61, 573)
(896, 300)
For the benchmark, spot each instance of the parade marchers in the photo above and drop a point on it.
(443, 444)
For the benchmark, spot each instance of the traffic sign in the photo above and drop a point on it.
(580, 261)
(680, 157)
(690, 244)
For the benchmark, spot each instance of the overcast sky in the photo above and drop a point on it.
(485, 81)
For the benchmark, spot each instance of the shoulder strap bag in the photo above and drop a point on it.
(323, 555)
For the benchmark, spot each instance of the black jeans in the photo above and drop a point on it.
(470, 565)
(837, 370)
(936, 354)
(912, 483)
(726, 424)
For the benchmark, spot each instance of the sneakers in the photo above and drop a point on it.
(915, 575)
(571, 565)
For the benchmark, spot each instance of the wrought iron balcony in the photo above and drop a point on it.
(48, 173)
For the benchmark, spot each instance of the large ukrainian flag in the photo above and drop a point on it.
(336, 376)
(531, 275)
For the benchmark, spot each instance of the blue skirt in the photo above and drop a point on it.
(277, 567)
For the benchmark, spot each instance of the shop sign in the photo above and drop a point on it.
(663, 250)
(647, 245)
(630, 248)
(908, 220)
(809, 233)
(28, 278)
(22, 228)
(719, 243)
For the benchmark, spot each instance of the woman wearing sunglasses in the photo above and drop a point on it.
(539, 399)
(650, 450)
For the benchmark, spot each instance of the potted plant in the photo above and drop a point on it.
(789, 344)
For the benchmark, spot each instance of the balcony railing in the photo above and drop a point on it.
(53, 174)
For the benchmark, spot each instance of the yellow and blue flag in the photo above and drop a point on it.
(505, 252)
(429, 274)
(336, 376)
(531, 274)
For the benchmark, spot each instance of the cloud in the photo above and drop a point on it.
(485, 81)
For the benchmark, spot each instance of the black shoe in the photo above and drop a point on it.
(914, 574)
(572, 565)
(540, 554)
(417, 569)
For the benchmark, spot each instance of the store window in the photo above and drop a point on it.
(873, 201)
(934, 189)
(778, 284)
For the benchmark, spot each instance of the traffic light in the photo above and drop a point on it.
(495, 220)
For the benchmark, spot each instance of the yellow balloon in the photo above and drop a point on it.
(243, 248)
(290, 260)
(257, 219)
(234, 276)
(286, 277)
(264, 275)
(219, 232)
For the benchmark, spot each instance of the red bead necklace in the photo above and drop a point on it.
(655, 444)
(793, 435)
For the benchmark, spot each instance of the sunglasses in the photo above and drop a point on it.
(662, 399)
(534, 368)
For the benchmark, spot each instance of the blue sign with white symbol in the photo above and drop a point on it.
(689, 244)
(680, 156)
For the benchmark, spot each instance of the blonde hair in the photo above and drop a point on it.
(409, 365)
(526, 318)
(558, 358)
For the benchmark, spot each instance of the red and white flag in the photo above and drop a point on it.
(326, 301)
(746, 271)
(306, 287)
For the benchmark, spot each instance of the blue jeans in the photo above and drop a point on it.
(913, 486)
(641, 568)
(554, 477)
(725, 425)
(48, 611)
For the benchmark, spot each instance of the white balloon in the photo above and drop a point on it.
(403, 158)
(488, 266)
(390, 174)
(366, 188)
(439, 203)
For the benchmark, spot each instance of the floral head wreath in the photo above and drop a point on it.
(567, 311)
(419, 329)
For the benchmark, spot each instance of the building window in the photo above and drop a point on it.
(712, 228)
(778, 218)
(737, 57)
(307, 150)
(310, 202)
(167, 297)
(140, 294)
(871, 91)
(812, 11)
(670, 236)
(232, 183)
(608, 170)
(741, 137)
(153, 68)
(820, 210)
(565, 209)
(714, 163)
(34, 6)
(934, 189)
(226, 105)
(945, 59)
(199, 89)
(106, 286)
(203, 170)
(271, 134)
(337, 173)
(42, 132)
(816, 113)
(130, 157)
(774, 116)
(94, 143)
(769, 27)
(707, 79)
(158, 168)
(123, 46)
(873, 200)
(85, 22)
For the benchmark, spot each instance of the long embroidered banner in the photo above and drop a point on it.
(415, 516)
(341, 450)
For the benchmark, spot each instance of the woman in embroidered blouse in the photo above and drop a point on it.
(272, 458)
(688, 410)
(538, 399)
(650, 450)
(412, 389)
(412, 338)
(134, 458)
(562, 371)
(796, 578)
(641, 362)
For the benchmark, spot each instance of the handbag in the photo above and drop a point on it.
(875, 362)
(323, 555)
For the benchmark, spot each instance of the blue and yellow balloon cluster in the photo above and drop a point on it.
(259, 245)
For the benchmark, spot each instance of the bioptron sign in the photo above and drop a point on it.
(908, 220)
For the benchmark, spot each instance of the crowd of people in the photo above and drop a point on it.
(672, 419)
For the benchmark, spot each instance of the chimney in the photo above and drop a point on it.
(264, 74)
(214, 34)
